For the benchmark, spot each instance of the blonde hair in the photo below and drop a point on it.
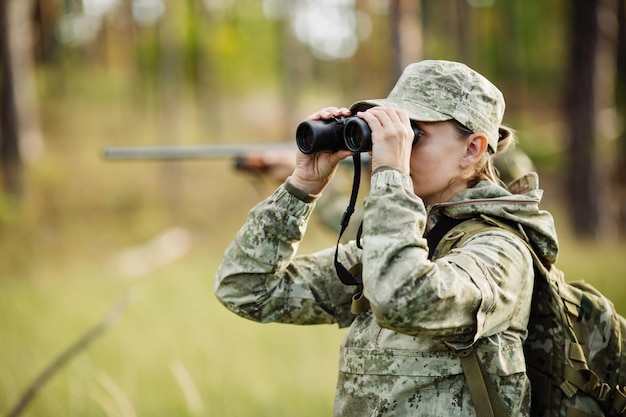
(485, 168)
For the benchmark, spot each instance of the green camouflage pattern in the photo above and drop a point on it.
(437, 90)
(574, 348)
(573, 328)
(394, 361)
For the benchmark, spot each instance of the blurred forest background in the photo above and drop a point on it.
(79, 233)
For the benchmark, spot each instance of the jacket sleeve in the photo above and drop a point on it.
(477, 290)
(261, 279)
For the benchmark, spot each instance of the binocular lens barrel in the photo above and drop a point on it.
(358, 135)
(314, 136)
(305, 137)
(351, 133)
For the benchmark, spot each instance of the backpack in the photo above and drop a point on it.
(575, 346)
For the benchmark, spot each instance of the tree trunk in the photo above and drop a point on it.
(406, 32)
(10, 163)
(294, 64)
(20, 24)
(619, 173)
(583, 185)
(169, 106)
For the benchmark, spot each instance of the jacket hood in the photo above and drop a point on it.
(517, 204)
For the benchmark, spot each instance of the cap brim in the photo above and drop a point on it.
(415, 110)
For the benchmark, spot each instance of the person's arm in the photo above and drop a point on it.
(472, 292)
(276, 164)
(261, 279)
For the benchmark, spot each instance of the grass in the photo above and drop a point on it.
(174, 351)
(174, 327)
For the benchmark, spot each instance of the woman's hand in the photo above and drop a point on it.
(313, 172)
(392, 137)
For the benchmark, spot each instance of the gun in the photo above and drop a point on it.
(249, 158)
(184, 152)
(187, 151)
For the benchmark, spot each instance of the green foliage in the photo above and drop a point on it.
(62, 243)
(244, 48)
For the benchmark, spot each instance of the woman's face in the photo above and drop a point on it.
(437, 161)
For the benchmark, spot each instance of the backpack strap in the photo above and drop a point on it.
(487, 401)
(619, 400)
(463, 230)
(575, 378)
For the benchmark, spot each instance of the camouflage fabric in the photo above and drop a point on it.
(394, 361)
(575, 345)
(574, 370)
(575, 350)
(437, 90)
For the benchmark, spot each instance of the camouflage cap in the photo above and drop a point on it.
(433, 91)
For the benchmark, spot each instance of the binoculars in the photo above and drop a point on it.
(341, 133)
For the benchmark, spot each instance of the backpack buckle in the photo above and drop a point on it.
(601, 391)
(568, 389)
(594, 386)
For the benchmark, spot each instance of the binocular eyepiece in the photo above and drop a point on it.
(341, 133)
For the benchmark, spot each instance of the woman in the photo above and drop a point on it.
(395, 359)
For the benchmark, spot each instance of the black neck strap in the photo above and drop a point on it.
(443, 226)
(353, 276)
(343, 273)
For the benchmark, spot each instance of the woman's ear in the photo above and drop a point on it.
(476, 147)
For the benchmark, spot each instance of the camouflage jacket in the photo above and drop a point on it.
(394, 361)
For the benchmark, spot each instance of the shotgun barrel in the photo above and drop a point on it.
(173, 152)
